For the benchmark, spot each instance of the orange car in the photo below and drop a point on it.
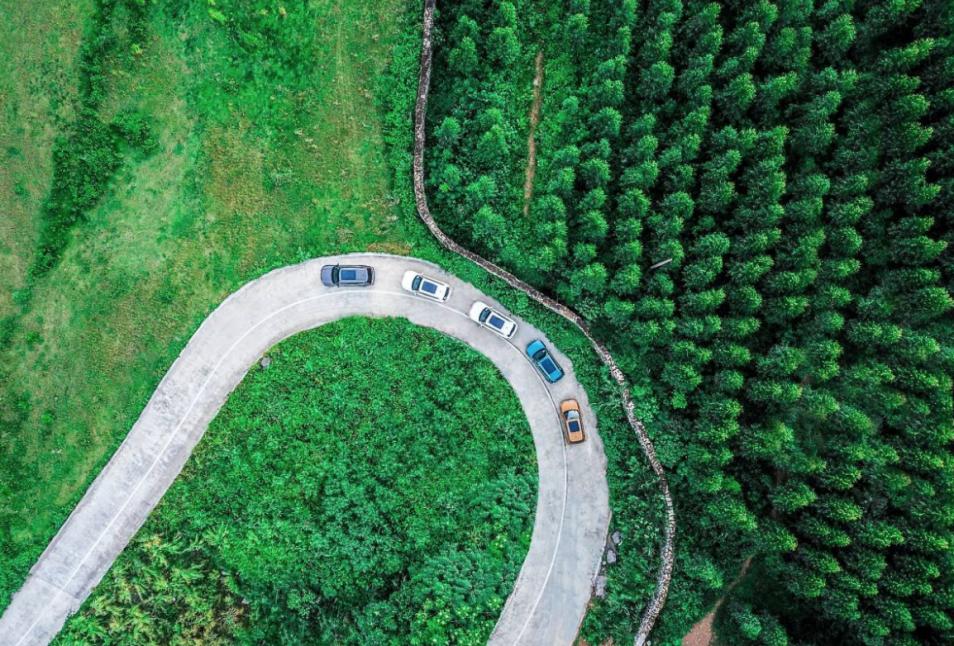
(572, 421)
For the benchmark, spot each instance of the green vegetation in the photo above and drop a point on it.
(222, 163)
(751, 202)
(322, 508)
(237, 183)
(788, 162)
(38, 51)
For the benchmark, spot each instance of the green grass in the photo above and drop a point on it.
(322, 508)
(38, 50)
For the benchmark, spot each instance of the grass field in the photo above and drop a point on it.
(322, 508)
(38, 49)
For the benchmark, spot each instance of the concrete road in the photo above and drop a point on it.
(572, 514)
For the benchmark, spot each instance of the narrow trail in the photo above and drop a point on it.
(531, 142)
(651, 613)
(701, 633)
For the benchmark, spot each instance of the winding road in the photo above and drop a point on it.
(553, 588)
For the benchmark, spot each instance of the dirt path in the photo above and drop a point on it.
(701, 633)
(531, 142)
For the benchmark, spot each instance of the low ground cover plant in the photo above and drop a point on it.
(376, 483)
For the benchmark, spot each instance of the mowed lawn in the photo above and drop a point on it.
(257, 160)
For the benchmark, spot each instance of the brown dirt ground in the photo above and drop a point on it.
(531, 143)
(701, 633)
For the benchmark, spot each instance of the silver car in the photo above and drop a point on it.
(492, 319)
(423, 286)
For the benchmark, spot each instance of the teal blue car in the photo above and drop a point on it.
(544, 361)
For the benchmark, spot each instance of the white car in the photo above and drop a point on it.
(423, 286)
(491, 318)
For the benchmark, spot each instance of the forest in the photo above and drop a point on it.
(751, 203)
(323, 510)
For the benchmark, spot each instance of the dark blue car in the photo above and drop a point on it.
(544, 361)
(347, 276)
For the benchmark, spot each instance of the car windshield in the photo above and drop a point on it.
(548, 365)
(349, 274)
(428, 287)
(496, 321)
(416, 282)
(573, 425)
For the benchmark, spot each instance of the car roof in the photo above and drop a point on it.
(549, 364)
(496, 319)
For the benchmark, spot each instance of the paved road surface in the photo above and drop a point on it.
(552, 590)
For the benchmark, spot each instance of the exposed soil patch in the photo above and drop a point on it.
(531, 143)
(701, 633)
